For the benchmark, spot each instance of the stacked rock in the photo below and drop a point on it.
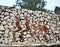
(7, 24)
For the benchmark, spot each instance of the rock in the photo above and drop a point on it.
(23, 11)
(47, 26)
(4, 22)
(41, 19)
(30, 11)
(17, 39)
(6, 26)
(15, 9)
(57, 18)
(43, 13)
(1, 32)
(2, 7)
(48, 17)
(6, 31)
(1, 27)
(25, 33)
(12, 18)
(7, 17)
(10, 26)
(5, 35)
(1, 19)
(19, 11)
(2, 16)
(9, 20)
(10, 40)
(28, 35)
(39, 12)
(57, 31)
(11, 14)
(15, 13)
(21, 15)
(6, 13)
(6, 40)
(8, 10)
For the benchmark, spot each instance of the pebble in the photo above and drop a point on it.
(4, 22)
(6, 13)
(9, 20)
(7, 17)
(1, 27)
(6, 26)
(15, 13)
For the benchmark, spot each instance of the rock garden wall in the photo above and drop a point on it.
(7, 24)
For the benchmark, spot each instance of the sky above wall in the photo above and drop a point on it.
(50, 3)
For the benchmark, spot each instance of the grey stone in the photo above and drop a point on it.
(15, 13)
(6, 26)
(9, 20)
(1, 27)
(4, 22)
(6, 13)
(7, 17)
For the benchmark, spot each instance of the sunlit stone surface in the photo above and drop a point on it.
(7, 26)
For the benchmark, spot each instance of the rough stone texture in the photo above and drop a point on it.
(7, 23)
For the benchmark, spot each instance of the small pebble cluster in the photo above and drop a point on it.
(7, 24)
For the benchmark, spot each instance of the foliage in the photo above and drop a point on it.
(57, 10)
(31, 4)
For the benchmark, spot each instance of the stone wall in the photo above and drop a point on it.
(7, 23)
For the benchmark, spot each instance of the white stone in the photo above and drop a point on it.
(11, 14)
(25, 33)
(47, 26)
(12, 18)
(2, 7)
(19, 11)
(2, 16)
(48, 17)
(43, 13)
(9, 10)
(17, 34)
(6, 40)
(4, 22)
(6, 31)
(10, 26)
(2, 19)
(30, 11)
(39, 11)
(9, 20)
(14, 24)
(6, 13)
(1, 27)
(6, 35)
(17, 39)
(15, 13)
(7, 17)
(1, 32)
(21, 15)
(57, 31)
(6, 26)
(10, 40)
(41, 19)
(57, 18)
(28, 35)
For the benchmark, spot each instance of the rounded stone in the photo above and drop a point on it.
(48, 17)
(6, 26)
(7, 17)
(4, 22)
(6, 13)
(9, 20)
